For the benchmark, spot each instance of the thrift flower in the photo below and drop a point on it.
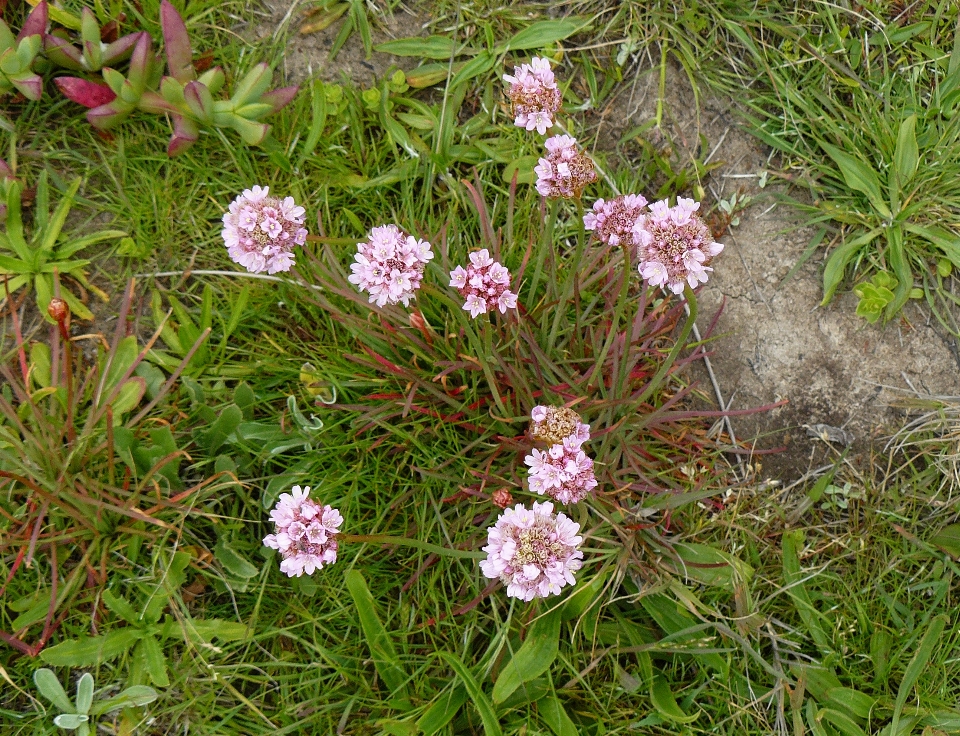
(613, 220)
(390, 265)
(534, 95)
(305, 532)
(484, 284)
(553, 424)
(674, 245)
(563, 472)
(565, 171)
(534, 553)
(260, 232)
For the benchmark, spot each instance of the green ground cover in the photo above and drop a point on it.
(137, 483)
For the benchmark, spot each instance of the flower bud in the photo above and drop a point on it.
(502, 498)
(58, 309)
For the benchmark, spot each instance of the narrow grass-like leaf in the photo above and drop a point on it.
(442, 711)
(542, 33)
(838, 260)
(553, 714)
(431, 47)
(851, 701)
(906, 158)
(491, 725)
(860, 176)
(840, 721)
(897, 260)
(382, 651)
(917, 665)
(793, 578)
(533, 658)
(661, 695)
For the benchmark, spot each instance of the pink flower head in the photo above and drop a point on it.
(534, 553)
(564, 472)
(389, 265)
(565, 171)
(533, 95)
(554, 424)
(260, 231)
(613, 220)
(483, 284)
(305, 532)
(674, 245)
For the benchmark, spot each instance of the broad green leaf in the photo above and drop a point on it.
(554, 715)
(428, 75)
(431, 47)
(155, 662)
(443, 710)
(853, 702)
(542, 33)
(710, 566)
(897, 260)
(480, 64)
(491, 725)
(928, 643)
(586, 593)
(91, 650)
(382, 652)
(128, 397)
(859, 176)
(84, 693)
(396, 131)
(840, 721)
(947, 539)
(136, 695)
(77, 244)
(945, 240)
(120, 606)
(11, 265)
(50, 688)
(70, 721)
(838, 260)
(224, 425)
(206, 629)
(234, 562)
(675, 620)
(907, 155)
(661, 695)
(533, 658)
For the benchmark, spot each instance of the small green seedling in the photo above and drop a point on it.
(79, 715)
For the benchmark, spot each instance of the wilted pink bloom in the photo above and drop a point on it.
(554, 424)
(613, 220)
(563, 472)
(484, 285)
(534, 95)
(565, 171)
(389, 265)
(260, 231)
(674, 245)
(534, 553)
(305, 533)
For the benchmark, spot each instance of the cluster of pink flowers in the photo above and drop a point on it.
(565, 170)
(674, 245)
(484, 284)
(534, 553)
(389, 265)
(613, 220)
(534, 95)
(563, 471)
(305, 533)
(261, 231)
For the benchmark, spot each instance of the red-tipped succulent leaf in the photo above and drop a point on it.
(279, 98)
(84, 92)
(36, 22)
(176, 43)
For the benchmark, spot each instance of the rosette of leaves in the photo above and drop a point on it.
(189, 100)
(17, 54)
(79, 714)
(33, 262)
(876, 294)
(92, 54)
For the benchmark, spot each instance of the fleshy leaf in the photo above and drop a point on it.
(176, 43)
(84, 92)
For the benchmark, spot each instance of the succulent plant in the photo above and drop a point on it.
(189, 100)
(17, 54)
(93, 53)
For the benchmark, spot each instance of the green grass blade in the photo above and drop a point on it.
(491, 724)
(793, 578)
(442, 711)
(55, 225)
(919, 662)
(384, 655)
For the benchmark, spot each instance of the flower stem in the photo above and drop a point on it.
(404, 541)
(661, 374)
